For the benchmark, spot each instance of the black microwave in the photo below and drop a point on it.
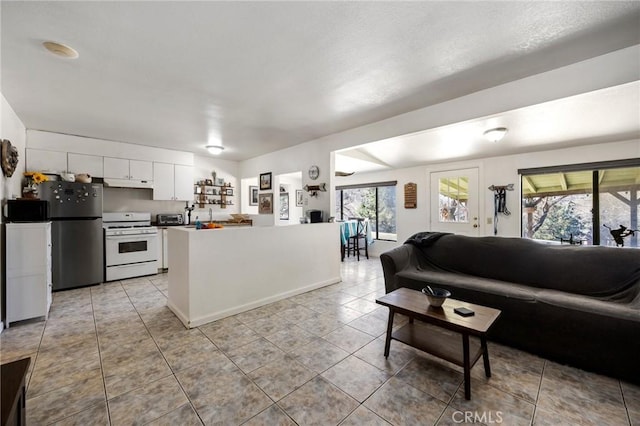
(27, 210)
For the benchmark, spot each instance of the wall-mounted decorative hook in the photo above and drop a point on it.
(502, 187)
(500, 203)
(313, 189)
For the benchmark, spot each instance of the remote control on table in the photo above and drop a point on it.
(465, 312)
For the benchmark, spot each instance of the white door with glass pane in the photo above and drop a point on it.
(454, 202)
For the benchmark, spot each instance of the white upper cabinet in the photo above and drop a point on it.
(39, 160)
(140, 170)
(163, 186)
(83, 163)
(172, 182)
(169, 173)
(116, 168)
(119, 168)
(183, 182)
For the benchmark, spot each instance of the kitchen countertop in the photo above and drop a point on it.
(219, 222)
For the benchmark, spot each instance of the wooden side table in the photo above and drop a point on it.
(13, 390)
(458, 351)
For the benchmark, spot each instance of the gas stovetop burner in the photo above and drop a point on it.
(127, 221)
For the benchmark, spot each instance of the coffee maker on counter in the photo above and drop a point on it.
(187, 213)
(315, 216)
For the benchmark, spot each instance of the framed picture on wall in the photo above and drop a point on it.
(265, 181)
(253, 195)
(265, 203)
(284, 206)
(299, 197)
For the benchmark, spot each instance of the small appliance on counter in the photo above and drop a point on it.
(187, 213)
(169, 219)
(315, 216)
(130, 244)
(17, 211)
(164, 221)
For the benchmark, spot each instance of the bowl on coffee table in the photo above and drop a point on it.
(436, 296)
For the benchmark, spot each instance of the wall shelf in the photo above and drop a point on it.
(218, 195)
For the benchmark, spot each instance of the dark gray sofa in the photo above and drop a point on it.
(578, 305)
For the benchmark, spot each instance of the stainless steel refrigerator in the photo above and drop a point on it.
(77, 254)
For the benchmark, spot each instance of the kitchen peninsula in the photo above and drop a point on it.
(215, 273)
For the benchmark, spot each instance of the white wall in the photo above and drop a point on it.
(11, 128)
(291, 182)
(244, 199)
(227, 170)
(296, 159)
(217, 273)
(501, 170)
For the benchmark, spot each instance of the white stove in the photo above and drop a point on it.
(131, 245)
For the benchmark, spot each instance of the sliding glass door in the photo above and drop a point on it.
(598, 205)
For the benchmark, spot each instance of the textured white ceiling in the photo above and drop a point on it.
(602, 116)
(260, 76)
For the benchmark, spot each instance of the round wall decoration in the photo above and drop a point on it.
(9, 158)
(314, 172)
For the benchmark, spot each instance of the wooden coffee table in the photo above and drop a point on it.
(436, 341)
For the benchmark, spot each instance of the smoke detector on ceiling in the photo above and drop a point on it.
(62, 50)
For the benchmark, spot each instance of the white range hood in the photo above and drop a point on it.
(128, 183)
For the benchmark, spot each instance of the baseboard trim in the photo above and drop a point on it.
(204, 319)
(177, 312)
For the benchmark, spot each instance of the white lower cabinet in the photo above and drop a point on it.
(28, 263)
(163, 254)
(165, 248)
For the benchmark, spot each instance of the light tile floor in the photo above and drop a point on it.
(114, 354)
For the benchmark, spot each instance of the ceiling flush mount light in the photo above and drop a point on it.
(495, 135)
(61, 50)
(215, 149)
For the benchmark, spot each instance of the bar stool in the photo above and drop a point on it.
(359, 241)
